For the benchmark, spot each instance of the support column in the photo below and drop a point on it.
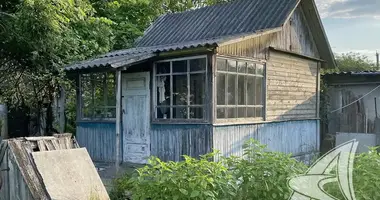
(118, 118)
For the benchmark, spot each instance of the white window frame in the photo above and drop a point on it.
(222, 121)
(188, 106)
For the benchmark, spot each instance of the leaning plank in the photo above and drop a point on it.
(41, 145)
(49, 145)
(55, 144)
(28, 170)
(39, 138)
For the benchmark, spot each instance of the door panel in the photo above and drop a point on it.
(136, 138)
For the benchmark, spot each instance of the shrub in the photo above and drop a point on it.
(263, 174)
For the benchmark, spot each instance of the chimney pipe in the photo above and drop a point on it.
(377, 61)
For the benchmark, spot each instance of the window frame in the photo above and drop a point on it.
(246, 120)
(80, 117)
(205, 106)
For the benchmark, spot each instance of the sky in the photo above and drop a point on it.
(352, 25)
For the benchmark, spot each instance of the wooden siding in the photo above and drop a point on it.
(13, 185)
(291, 87)
(295, 36)
(99, 138)
(296, 137)
(170, 142)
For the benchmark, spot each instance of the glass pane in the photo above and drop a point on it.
(221, 64)
(231, 89)
(260, 69)
(221, 113)
(197, 89)
(259, 112)
(198, 64)
(163, 90)
(242, 67)
(251, 90)
(196, 113)
(231, 65)
(180, 113)
(251, 112)
(180, 90)
(221, 90)
(251, 68)
(180, 66)
(241, 90)
(231, 112)
(163, 68)
(110, 112)
(86, 92)
(98, 81)
(242, 112)
(111, 90)
(163, 113)
(259, 91)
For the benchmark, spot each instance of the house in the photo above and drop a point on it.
(205, 79)
(354, 101)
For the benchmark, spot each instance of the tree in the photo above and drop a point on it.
(351, 61)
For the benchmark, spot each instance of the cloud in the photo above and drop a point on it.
(349, 8)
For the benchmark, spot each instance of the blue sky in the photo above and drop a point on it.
(352, 25)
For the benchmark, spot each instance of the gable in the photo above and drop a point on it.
(240, 17)
(300, 34)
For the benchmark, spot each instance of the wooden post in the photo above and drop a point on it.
(4, 121)
(118, 118)
(61, 104)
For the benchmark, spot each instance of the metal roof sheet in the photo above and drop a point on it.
(218, 21)
(360, 73)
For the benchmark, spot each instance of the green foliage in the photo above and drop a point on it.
(258, 175)
(351, 62)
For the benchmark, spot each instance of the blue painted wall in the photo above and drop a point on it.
(296, 137)
(99, 138)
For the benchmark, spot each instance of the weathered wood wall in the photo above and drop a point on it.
(99, 138)
(295, 36)
(300, 138)
(292, 84)
(170, 142)
(13, 184)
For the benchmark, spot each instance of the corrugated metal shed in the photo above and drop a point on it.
(236, 18)
(361, 73)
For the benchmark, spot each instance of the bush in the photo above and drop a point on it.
(258, 175)
(262, 174)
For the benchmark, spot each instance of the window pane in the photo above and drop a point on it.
(260, 69)
(251, 68)
(180, 113)
(163, 113)
(259, 112)
(251, 112)
(98, 81)
(110, 113)
(242, 112)
(180, 90)
(241, 90)
(259, 91)
(221, 64)
(197, 89)
(251, 90)
(163, 90)
(231, 112)
(196, 113)
(180, 66)
(221, 90)
(111, 89)
(198, 64)
(231, 89)
(242, 67)
(86, 92)
(221, 113)
(163, 68)
(231, 65)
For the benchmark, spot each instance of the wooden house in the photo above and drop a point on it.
(209, 78)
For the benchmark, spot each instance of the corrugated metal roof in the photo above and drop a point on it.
(360, 73)
(228, 19)
(126, 57)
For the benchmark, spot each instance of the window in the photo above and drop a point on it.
(240, 89)
(180, 89)
(98, 98)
